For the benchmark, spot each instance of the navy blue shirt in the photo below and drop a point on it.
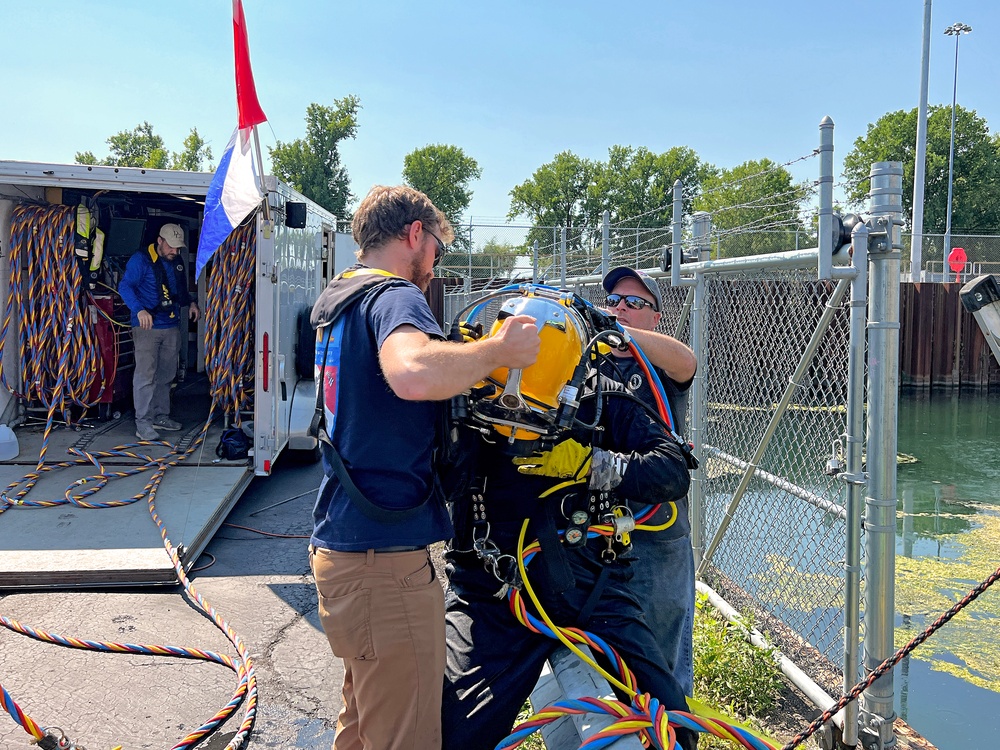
(386, 442)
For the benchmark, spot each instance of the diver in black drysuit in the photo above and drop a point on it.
(494, 661)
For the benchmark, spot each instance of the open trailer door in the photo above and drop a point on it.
(50, 536)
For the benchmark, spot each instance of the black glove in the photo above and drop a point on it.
(602, 321)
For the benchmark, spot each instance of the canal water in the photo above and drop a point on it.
(948, 540)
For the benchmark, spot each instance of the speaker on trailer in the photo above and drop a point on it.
(295, 215)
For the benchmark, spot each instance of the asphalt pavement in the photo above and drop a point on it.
(260, 584)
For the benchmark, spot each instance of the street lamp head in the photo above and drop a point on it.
(957, 28)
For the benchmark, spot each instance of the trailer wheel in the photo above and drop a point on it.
(305, 349)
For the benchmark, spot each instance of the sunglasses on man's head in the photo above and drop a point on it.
(632, 301)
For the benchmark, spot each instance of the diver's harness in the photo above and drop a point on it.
(502, 407)
(327, 318)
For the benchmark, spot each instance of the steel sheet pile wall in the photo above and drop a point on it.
(782, 556)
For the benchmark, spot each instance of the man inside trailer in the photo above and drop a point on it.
(150, 290)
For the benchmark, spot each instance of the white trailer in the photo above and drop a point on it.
(69, 545)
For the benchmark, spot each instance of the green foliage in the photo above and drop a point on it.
(534, 741)
(141, 147)
(560, 193)
(312, 164)
(196, 152)
(492, 260)
(636, 185)
(756, 205)
(443, 173)
(976, 199)
(728, 670)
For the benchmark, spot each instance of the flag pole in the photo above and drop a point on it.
(260, 167)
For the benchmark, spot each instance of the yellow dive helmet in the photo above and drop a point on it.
(525, 404)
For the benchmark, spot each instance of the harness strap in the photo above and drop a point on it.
(366, 280)
(554, 558)
(595, 595)
(362, 503)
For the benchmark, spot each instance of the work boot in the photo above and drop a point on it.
(166, 423)
(146, 432)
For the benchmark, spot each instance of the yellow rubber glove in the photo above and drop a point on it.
(567, 460)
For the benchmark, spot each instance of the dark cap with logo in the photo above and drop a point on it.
(617, 274)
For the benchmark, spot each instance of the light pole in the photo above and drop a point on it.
(920, 167)
(956, 30)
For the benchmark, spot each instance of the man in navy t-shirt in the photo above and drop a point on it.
(384, 371)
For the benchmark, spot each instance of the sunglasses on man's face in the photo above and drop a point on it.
(440, 249)
(632, 301)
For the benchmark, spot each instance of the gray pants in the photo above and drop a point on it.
(155, 367)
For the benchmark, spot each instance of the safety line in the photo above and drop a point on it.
(645, 716)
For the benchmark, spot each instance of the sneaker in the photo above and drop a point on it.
(166, 423)
(146, 433)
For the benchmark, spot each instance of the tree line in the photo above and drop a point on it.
(758, 199)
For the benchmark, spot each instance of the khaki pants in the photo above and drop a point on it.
(383, 614)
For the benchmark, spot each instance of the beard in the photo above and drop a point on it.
(418, 276)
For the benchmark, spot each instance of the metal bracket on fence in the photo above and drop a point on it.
(871, 738)
(878, 235)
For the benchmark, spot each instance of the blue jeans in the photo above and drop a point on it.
(663, 582)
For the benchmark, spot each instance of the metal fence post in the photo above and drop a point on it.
(605, 242)
(825, 226)
(854, 476)
(534, 265)
(701, 229)
(880, 511)
(562, 257)
(673, 262)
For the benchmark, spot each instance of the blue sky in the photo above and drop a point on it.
(512, 83)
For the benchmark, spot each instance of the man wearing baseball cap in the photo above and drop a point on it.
(152, 291)
(663, 581)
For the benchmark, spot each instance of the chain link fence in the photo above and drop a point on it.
(982, 251)
(781, 559)
(488, 256)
